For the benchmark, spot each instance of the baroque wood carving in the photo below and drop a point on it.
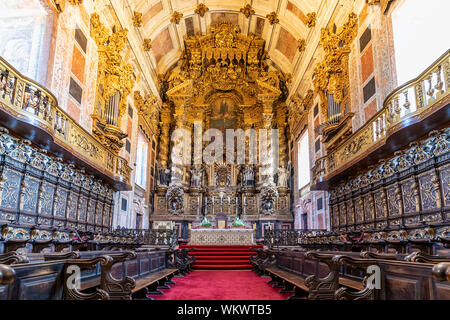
(115, 81)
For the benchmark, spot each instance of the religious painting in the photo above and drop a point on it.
(223, 114)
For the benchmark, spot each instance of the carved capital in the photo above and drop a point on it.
(176, 17)
(201, 9)
(247, 10)
(273, 18)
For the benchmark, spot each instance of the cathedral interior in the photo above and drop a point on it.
(304, 141)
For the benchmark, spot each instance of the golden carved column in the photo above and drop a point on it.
(282, 141)
(164, 137)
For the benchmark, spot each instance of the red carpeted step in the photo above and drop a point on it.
(222, 253)
(222, 257)
(217, 257)
(198, 261)
(222, 266)
(220, 246)
(221, 249)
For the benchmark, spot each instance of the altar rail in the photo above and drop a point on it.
(405, 106)
(46, 124)
(152, 237)
(289, 237)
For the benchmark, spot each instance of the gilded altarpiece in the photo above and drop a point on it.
(223, 82)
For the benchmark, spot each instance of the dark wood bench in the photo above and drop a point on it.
(151, 283)
(306, 274)
(289, 281)
(125, 277)
(316, 276)
(45, 276)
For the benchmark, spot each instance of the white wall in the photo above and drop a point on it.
(420, 35)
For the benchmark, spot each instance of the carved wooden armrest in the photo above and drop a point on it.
(441, 271)
(61, 256)
(367, 293)
(70, 287)
(419, 256)
(13, 258)
(357, 262)
(7, 274)
(186, 256)
(373, 255)
(320, 288)
(182, 259)
(117, 289)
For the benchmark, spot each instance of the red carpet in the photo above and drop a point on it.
(221, 257)
(221, 285)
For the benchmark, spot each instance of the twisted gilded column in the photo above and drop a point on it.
(282, 141)
(164, 137)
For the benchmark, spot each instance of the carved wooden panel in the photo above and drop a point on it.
(368, 207)
(350, 212)
(392, 200)
(359, 211)
(11, 188)
(429, 190)
(444, 174)
(409, 196)
(30, 197)
(99, 213)
(335, 215)
(380, 204)
(342, 214)
(402, 288)
(72, 205)
(91, 211)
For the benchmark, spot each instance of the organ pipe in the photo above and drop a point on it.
(334, 110)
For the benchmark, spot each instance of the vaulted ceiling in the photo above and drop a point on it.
(290, 24)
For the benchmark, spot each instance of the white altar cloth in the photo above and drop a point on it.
(235, 236)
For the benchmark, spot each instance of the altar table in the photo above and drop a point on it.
(204, 236)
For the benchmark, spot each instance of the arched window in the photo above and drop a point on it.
(420, 35)
(303, 161)
(25, 36)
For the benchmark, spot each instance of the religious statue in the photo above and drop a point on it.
(196, 177)
(164, 176)
(283, 175)
(175, 196)
(268, 196)
(248, 176)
